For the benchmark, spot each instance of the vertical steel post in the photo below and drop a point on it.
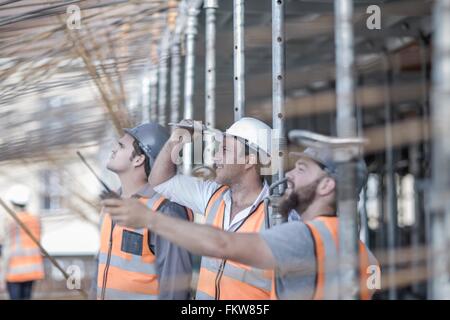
(418, 153)
(175, 79)
(162, 73)
(145, 98)
(278, 115)
(391, 183)
(239, 59)
(153, 92)
(210, 75)
(440, 203)
(346, 127)
(191, 32)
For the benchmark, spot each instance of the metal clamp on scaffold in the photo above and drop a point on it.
(272, 203)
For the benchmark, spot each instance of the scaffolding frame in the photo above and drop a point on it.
(348, 125)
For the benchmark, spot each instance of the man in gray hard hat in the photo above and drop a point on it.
(134, 263)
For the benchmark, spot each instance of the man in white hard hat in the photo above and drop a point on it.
(232, 202)
(22, 262)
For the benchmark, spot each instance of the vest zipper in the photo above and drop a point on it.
(218, 278)
(222, 265)
(108, 261)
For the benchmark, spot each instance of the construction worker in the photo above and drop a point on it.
(232, 202)
(302, 253)
(22, 260)
(135, 263)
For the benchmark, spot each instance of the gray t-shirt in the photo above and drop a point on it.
(292, 246)
(174, 262)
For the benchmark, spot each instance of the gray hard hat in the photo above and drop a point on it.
(324, 157)
(151, 138)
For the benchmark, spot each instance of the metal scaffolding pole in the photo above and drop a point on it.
(175, 79)
(191, 32)
(145, 98)
(210, 76)
(417, 154)
(239, 59)
(278, 115)
(153, 93)
(440, 198)
(346, 128)
(391, 187)
(162, 73)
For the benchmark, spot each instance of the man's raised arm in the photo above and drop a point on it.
(165, 166)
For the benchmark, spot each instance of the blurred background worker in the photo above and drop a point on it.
(133, 263)
(22, 262)
(304, 254)
(232, 202)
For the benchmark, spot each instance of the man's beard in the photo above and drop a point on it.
(300, 199)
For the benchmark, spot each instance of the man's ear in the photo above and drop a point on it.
(139, 160)
(326, 186)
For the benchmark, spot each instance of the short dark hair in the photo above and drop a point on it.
(137, 152)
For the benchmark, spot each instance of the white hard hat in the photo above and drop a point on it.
(256, 133)
(19, 194)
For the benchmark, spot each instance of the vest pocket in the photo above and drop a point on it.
(132, 242)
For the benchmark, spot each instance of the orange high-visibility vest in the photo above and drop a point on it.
(325, 232)
(25, 260)
(127, 265)
(224, 279)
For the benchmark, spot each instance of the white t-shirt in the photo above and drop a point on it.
(195, 193)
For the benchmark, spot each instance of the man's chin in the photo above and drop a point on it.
(288, 203)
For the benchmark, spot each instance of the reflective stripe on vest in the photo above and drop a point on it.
(25, 260)
(126, 268)
(223, 279)
(325, 234)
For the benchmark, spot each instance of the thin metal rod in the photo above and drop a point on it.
(346, 127)
(278, 76)
(191, 32)
(105, 186)
(440, 199)
(210, 75)
(239, 59)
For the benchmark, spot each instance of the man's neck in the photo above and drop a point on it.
(316, 210)
(131, 184)
(245, 192)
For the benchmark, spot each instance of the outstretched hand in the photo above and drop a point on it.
(128, 212)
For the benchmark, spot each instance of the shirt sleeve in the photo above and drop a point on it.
(173, 262)
(292, 247)
(188, 191)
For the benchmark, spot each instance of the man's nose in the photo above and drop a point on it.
(114, 149)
